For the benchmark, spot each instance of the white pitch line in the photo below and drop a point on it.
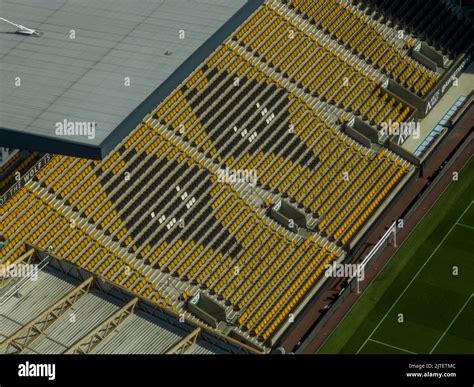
(392, 346)
(452, 322)
(416, 275)
(465, 225)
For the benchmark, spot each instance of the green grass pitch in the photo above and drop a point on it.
(423, 300)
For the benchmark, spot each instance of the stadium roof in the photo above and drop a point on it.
(83, 80)
(143, 331)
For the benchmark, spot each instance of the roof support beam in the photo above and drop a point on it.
(86, 344)
(181, 347)
(36, 327)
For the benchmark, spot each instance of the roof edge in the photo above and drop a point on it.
(10, 138)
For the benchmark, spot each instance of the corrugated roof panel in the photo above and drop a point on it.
(31, 299)
(87, 313)
(138, 335)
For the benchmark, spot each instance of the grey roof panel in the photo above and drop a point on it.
(30, 300)
(82, 79)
